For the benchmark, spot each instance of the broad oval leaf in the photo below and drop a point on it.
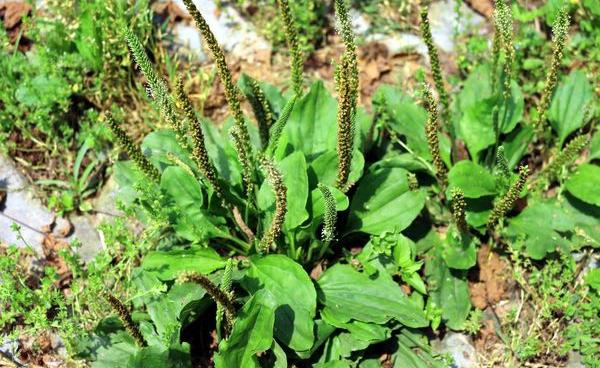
(585, 184)
(569, 104)
(311, 127)
(448, 290)
(541, 225)
(460, 250)
(352, 295)
(383, 202)
(159, 144)
(184, 190)
(168, 264)
(252, 333)
(294, 293)
(474, 180)
(294, 171)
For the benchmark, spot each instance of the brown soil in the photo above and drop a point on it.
(12, 14)
(492, 283)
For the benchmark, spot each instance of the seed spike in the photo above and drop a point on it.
(431, 131)
(504, 20)
(133, 151)
(276, 181)
(559, 36)
(219, 296)
(458, 209)
(156, 87)
(434, 61)
(241, 137)
(506, 203)
(347, 89)
(330, 216)
(226, 282)
(291, 35)
(125, 318)
(199, 152)
(565, 157)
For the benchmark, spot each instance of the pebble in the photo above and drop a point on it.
(233, 33)
(460, 347)
(23, 208)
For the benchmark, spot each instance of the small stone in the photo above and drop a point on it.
(62, 227)
(460, 347)
(233, 33)
(23, 208)
(574, 360)
(85, 232)
(445, 23)
(360, 24)
(400, 43)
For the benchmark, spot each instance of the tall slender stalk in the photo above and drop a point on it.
(240, 135)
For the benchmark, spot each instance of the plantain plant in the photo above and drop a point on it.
(248, 210)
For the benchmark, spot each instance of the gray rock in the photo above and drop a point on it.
(106, 201)
(360, 24)
(9, 347)
(574, 360)
(85, 232)
(460, 347)
(23, 208)
(400, 43)
(444, 22)
(233, 33)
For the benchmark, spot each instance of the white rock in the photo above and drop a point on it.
(233, 33)
(460, 347)
(444, 22)
(360, 24)
(400, 43)
(22, 207)
(85, 232)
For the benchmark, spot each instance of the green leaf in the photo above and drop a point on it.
(116, 355)
(183, 188)
(516, 143)
(280, 357)
(595, 147)
(569, 104)
(408, 119)
(222, 153)
(293, 169)
(252, 333)
(324, 168)
(540, 226)
(193, 223)
(159, 144)
(460, 251)
(312, 127)
(352, 295)
(383, 202)
(475, 127)
(159, 356)
(593, 278)
(168, 264)
(294, 293)
(405, 118)
(586, 218)
(334, 364)
(126, 176)
(363, 331)
(584, 184)
(474, 180)
(414, 351)
(449, 290)
(476, 101)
